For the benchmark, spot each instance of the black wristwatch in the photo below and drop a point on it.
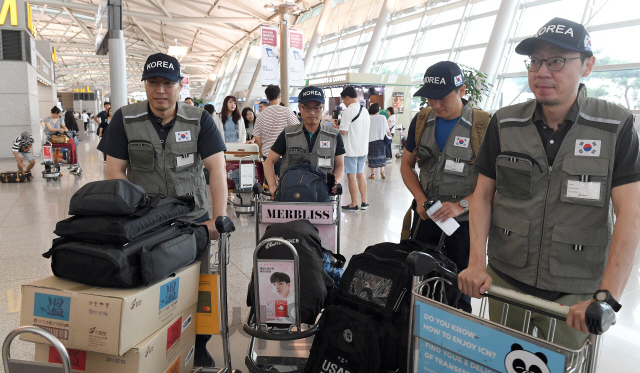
(605, 296)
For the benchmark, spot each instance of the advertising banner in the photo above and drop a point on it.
(276, 286)
(270, 69)
(296, 63)
(457, 344)
(398, 102)
(186, 89)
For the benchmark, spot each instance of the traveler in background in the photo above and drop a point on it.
(164, 122)
(300, 117)
(85, 119)
(391, 121)
(263, 105)
(558, 194)
(230, 123)
(210, 109)
(307, 141)
(377, 133)
(100, 115)
(354, 128)
(70, 121)
(249, 123)
(22, 151)
(447, 132)
(271, 121)
(54, 122)
(189, 101)
(102, 130)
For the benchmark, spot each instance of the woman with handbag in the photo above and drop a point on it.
(378, 135)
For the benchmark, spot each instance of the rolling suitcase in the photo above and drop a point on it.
(65, 153)
(15, 177)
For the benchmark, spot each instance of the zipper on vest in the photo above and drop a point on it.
(544, 212)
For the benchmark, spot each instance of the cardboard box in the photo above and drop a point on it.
(208, 317)
(171, 346)
(105, 320)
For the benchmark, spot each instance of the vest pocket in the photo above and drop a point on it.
(141, 156)
(588, 262)
(184, 155)
(509, 238)
(585, 180)
(426, 157)
(514, 176)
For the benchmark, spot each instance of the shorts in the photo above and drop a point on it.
(354, 165)
(28, 156)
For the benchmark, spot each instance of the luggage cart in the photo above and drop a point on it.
(274, 344)
(243, 170)
(225, 227)
(403, 138)
(22, 366)
(326, 216)
(52, 169)
(444, 337)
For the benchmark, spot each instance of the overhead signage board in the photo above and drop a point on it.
(342, 78)
(102, 28)
(9, 10)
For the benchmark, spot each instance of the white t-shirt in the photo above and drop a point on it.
(85, 117)
(379, 127)
(270, 123)
(392, 123)
(356, 141)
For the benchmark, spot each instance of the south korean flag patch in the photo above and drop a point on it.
(588, 148)
(457, 80)
(182, 136)
(462, 142)
(325, 144)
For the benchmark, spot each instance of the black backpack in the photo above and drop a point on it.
(303, 182)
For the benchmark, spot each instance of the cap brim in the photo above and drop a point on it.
(173, 78)
(526, 46)
(310, 99)
(434, 94)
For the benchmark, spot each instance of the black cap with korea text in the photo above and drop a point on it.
(562, 33)
(311, 93)
(440, 79)
(162, 65)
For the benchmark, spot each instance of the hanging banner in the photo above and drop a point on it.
(296, 63)
(186, 89)
(270, 69)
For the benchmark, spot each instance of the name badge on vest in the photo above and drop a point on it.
(325, 144)
(451, 165)
(184, 160)
(462, 142)
(182, 136)
(583, 190)
(588, 148)
(324, 162)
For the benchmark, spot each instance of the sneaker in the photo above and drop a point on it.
(348, 208)
(364, 206)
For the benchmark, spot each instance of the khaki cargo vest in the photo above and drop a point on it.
(175, 170)
(448, 174)
(549, 228)
(322, 154)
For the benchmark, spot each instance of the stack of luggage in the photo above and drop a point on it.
(125, 291)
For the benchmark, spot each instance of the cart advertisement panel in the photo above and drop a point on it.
(276, 282)
(451, 342)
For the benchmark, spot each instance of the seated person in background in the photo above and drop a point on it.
(308, 141)
(54, 122)
(22, 151)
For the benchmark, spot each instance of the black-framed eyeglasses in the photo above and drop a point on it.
(553, 63)
(311, 109)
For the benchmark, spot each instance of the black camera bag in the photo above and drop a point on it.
(108, 197)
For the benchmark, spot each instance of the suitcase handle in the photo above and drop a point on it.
(62, 351)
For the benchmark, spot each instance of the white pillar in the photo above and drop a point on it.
(376, 38)
(318, 33)
(284, 54)
(497, 40)
(117, 69)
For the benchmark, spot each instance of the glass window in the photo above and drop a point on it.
(445, 15)
(479, 31)
(411, 25)
(324, 64)
(621, 87)
(514, 91)
(350, 41)
(612, 46)
(302, 17)
(486, 6)
(391, 68)
(472, 57)
(315, 11)
(400, 46)
(615, 11)
(516, 64)
(423, 63)
(536, 16)
(344, 59)
(439, 39)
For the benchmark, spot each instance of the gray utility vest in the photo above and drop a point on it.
(551, 225)
(447, 175)
(322, 155)
(175, 170)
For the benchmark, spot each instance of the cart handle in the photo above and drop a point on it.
(6, 346)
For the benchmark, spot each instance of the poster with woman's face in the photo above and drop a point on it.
(398, 102)
(276, 291)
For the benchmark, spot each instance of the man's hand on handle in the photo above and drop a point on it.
(211, 226)
(474, 281)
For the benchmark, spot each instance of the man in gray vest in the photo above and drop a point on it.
(552, 172)
(311, 140)
(439, 141)
(162, 144)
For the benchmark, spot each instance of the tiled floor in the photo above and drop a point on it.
(28, 213)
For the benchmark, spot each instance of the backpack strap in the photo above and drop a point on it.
(480, 122)
(421, 123)
(357, 116)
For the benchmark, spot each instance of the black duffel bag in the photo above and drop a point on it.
(121, 229)
(108, 197)
(303, 182)
(150, 258)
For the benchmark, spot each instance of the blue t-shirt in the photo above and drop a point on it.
(443, 130)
